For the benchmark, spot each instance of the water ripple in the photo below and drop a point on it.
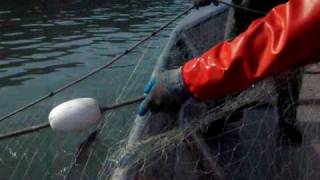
(34, 35)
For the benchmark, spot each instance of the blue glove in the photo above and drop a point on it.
(165, 93)
(200, 3)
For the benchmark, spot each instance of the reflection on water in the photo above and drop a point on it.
(69, 38)
(49, 43)
(17, 78)
(55, 29)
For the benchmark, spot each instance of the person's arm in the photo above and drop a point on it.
(287, 37)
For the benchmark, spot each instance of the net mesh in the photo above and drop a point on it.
(255, 134)
(50, 155)
(247, 135)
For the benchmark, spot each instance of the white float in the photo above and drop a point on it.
(75, 115)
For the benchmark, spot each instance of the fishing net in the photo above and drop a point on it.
(255, 134)
(247, 135)
(50, 155)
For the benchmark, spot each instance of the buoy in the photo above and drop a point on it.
(75, 115)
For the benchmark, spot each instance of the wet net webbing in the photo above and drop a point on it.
(247, 135)
(50, 155)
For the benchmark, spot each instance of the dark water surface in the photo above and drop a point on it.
(46, 45)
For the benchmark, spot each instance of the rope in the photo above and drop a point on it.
(24, 131)
(121, 104)
(92, 136)
(89, 140)
(81, 148)
(115, 59)
(242, 8)
(40, 127)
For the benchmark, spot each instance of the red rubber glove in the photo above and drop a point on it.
(287, 37)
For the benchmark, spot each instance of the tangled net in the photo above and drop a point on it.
(241, 136)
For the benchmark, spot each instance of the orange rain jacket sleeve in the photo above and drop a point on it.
(288, 36)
